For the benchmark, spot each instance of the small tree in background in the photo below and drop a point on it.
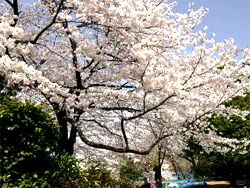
(96, 175)
(129, 173)
(196, 155)
(233, 162)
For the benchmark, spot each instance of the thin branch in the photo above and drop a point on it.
(75, 64)
(10, 3)
(118, 149)
(14, 6)
(120, 109)
(142, 82)
(53, 52)
(92, 71)
(7, 52)
(49, 25)
(114, 57)
(194, 69)
(152, 130)
(88, 65)
(102, 126)
(159, 3)
(123, 86)
(124, 134)
(150, 109)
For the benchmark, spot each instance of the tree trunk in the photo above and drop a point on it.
(157, 170)
(232, 179)
(232, 173)
(66, 143)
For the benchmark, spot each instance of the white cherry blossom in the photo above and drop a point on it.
(119, 72)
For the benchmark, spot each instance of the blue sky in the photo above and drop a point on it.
(226, 18)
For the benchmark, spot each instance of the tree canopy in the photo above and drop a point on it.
(229, 162)
(119, 72)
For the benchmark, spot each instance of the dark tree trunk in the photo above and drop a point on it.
(232, 173)
(157, 170)
(232, 179)
(66, 143)
(71, 140)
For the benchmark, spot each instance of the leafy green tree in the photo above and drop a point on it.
(29, 139)
(30, 152)
(96, 175)
(196, 155)
(129, 173)
(240, 102)
(235, 163)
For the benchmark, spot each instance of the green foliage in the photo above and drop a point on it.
(30, 153)
(129, 173)
(29, 139)
(28, 180)
(204, 168)
(232, 127)
(66, 172)
(95, 175)
(31, 156)
(198, 157)
(235, 162)
(240, 102)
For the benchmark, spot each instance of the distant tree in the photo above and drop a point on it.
(234, 163)
(196, 155)
(96, 175)
(129, 173)
(230, 162)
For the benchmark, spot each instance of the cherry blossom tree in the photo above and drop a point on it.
(123, 75)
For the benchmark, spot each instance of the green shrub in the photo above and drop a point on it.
(31, 156)
(129, 173)
(29, 141)
(30, 150)
(96, 175)
(67, 172)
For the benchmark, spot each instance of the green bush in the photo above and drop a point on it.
(29, 141)
(129, 173)
(30, 150)
(67, 172)
(31, 156)
(96, 175)
(64, 172)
